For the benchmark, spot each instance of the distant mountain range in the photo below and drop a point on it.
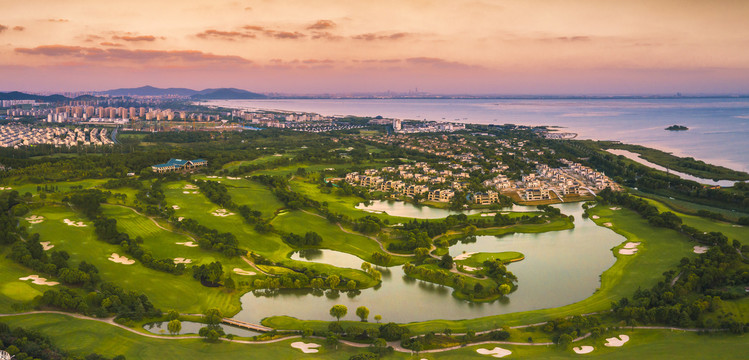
(207, 94)
(16, 95)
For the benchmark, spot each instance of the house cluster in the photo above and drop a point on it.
(548, 182)
(21, 135)
(178, 165)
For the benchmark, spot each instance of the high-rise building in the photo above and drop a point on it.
(397, 125)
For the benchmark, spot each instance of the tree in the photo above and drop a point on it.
(172, 315)
(333, 281)
(504, 289)
(564, 341)
(363, 313)
(378, 318)
(174, 327)
(446, 262)
(338, 311)
(213, 316)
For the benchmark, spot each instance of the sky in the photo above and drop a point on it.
(351, 46)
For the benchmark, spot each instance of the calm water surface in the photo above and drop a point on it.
(560, 268)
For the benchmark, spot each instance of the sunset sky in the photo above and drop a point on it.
(331, 46)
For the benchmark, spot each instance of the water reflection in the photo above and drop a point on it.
(560, 268)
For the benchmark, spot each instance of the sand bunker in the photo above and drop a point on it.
(180, 218)
(188, 244)
(464, 256)
(595, 217)
(35, 219)
(185, 192)
(615, 208)
(488, 214)
(121, 259)
(38, 280)
(307, 348)
(6, 188)
(190, 187)
(468, 268)
(46, 245)
(608, 224)
(630, 248)
(243, 272)
(701, 249)
(175, 207)
(222, 213)
(182, 261)
(497, 352)
(232, 178)
(616, 342)
(582, 349)
(73, 223)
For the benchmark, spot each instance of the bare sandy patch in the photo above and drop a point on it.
(701, 249)
(488, 214)
(583, 349)
(615, 208)
(46, 245)
(222, 213)
(35, 219)
(232, 178)
(464, 256)
(190, 187)
(182, 261)
(6, 188)
(185, 192)
(497, 352)
(188, 244)
(307, 348)
(38, 280)
(243, 272)
(120, 259)
(631, 245)
(595, 217)
(468, 268)
(74, 223)
(175, 207)
(608, 224)
(616, 342)
(180, 218)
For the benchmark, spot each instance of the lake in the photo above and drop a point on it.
(400, 208)
(560, 268)
(718, 127)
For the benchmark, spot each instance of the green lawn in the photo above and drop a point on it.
(300, 223)
(84, 336)
(730, 230)
(166, 291)
(250, 193)
(477, 260)
(14, 291)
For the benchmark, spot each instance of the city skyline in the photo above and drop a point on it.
(459, 47)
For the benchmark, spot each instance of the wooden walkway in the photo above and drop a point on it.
(245, 325)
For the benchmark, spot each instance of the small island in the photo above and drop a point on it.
(677, 128)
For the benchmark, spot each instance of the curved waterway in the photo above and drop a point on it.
(560, 268)
(400, 208)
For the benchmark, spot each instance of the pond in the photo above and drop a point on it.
(560, 268)
(191, 327)
(404, 209)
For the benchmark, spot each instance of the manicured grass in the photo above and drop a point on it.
(86, 336)
(166, 291)
(660, 250)
(263, 159)
(643, 344)
(300, 223)
(703, 224)
(689, 207)
(199, 208)
(14, 291)
(477, 260)
(62, 186)
(250, 193)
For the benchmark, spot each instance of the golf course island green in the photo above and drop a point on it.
(357, 244)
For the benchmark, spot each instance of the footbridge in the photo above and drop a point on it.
(245, 325)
